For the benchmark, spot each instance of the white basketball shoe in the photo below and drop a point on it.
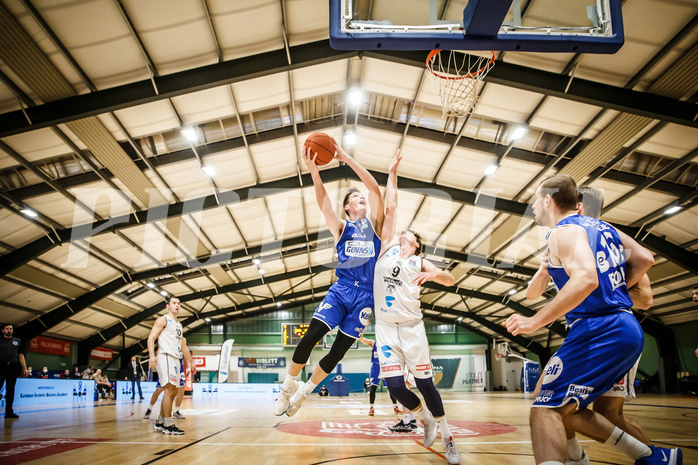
(583, 461)
(431, 429)
(281, 403)
(297, 400)
(452, 454)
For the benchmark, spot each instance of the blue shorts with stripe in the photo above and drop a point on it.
(348, 307)
(375, 373)
(596, 353)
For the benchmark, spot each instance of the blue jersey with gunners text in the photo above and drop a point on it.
(611, 295)
(357, 251)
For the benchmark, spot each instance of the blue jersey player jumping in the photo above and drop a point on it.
(349, 302)
(590, 270)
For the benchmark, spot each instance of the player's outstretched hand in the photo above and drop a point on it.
(518, 324)
(425, 276)
(152, 363)
(340, 154)
(309, 159)
(394, 162)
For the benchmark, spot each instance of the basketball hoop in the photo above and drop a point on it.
(457, 79)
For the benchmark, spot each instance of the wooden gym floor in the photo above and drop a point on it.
(491, 428)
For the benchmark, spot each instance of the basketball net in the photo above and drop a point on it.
(457, 75)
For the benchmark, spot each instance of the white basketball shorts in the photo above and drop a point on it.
(168, 370)
(403, 345)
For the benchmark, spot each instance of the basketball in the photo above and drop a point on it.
(323, 145)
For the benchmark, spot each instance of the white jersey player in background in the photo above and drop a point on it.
(168, 331)
(400, 333)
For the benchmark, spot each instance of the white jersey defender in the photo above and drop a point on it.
(396, 296)
(170, 352)
(400, 333)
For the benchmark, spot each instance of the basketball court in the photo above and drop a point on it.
(155, 148)
(489, 428)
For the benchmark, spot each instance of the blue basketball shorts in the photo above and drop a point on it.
(346, 307)
(597, 352)
(375, 374)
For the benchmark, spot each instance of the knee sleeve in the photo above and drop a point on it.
(431, 396)
(372, 394)
(339, 349)
(316, 330)
(397, 388)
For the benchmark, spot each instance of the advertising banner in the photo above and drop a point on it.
(445, 370)
(32, 391)
(49, 345)
(224, 365)
(466, 373)
(248, 362)
(211, 390)
(206, 362)
(100, 353)
(123, 389)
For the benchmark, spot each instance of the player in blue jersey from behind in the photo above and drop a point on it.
(589, 269)
(349, 302)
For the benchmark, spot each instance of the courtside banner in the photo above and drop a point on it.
(210, 390)
(471, 374)
(247, 362)
(123, 389)
(445, 370)
(100, 353)
(30, 391)
(224, 365)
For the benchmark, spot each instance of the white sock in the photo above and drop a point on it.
(443, 426)
(574, 450)
(168, 421)
(150, 407)
(176, 409)
(412, 416)
(422, 413)
(288, 381)
(628, 444)
(406, 418)
(309, 387)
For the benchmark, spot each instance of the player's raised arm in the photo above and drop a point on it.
(375, 199)
(641, 293)
(539, 282)
(638, 259)
(569, 246)
(159, 325)
(368, 342)
(334, 224)
(390, 221)
(432, 273)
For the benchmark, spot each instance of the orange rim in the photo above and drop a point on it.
(440, 75)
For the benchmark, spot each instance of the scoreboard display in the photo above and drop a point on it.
(292, 333)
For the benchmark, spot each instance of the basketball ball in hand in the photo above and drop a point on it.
(323, 145)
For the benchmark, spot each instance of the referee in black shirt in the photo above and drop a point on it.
(11, 365)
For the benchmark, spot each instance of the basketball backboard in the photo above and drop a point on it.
(571, 26)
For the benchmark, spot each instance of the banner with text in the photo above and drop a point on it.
(32, 391)
(248, 362)
(206, 362)
(49, 345)
(466, 373)
(224, 365)
(100, 353)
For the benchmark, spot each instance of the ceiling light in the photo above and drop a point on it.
(255, 261)
(355, 97)
(672, 210)
(207, 320)
(151, 285)
(261, 271)
(190, 134)
(512, 292)
(163, 293)
(29, 212)
(349, 139)
(491, 169)
(519, 132)
(208, 171)
(460, 318)
(278, 304)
